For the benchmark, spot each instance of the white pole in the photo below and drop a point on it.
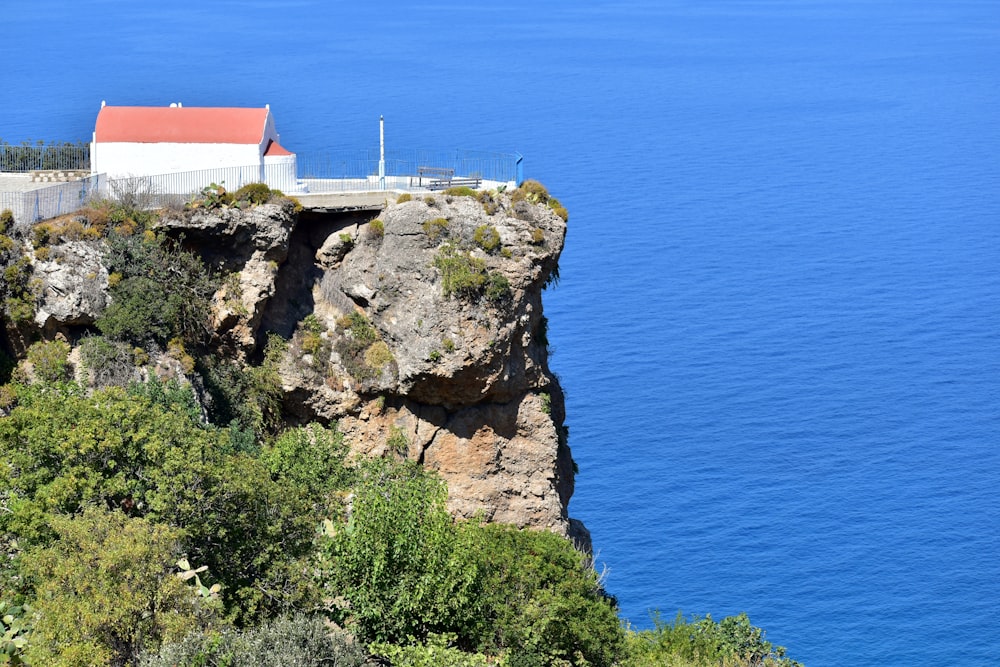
(381, 152)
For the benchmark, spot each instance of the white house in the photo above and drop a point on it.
(152, 141)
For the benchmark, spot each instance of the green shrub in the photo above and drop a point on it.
(157, 461)
(361, 352)
(435, 228)
(534, 192)
(405, 197)
(703, 642)
(397, 442)
(107, 589)
(487, 237)
(376, 228)
(460, 191)
(497, 288)
(49, 361)
(393, 571)
(438, 651)
(313, 342)
(461, 274)
(253, 193)
(558, 209)
(378, 355)
(164, 291)
(537, 236)
(299, 641)
(448, 345)
(108, 363)
(406, 572)
(6, 220)
(16, 622)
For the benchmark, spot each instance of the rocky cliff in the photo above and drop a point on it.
(419, 330)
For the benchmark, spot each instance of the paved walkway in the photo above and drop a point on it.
(20, 183)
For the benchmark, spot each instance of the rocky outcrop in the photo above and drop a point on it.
(461, 382)
(71, 284)
(421, 333)
(247, 245)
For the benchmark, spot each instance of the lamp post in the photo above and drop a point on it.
(381, 152)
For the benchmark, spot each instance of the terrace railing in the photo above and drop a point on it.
(361, 165)
(344, 171)
(44, 157)
(30, 206)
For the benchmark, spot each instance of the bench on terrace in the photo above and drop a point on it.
(441, 178)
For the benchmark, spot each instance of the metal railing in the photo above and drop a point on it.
(30, 206)
(499, 167)
(44, 157)
(318, 173)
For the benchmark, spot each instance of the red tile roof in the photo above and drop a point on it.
(188, 125)
(274, 148)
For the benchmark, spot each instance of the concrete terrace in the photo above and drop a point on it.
(330, 188)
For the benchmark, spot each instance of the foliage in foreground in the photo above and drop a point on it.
(406, 572)
(107, 497)
(703, 642)
(286, 642)
(143, 454)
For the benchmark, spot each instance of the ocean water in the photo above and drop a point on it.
(778, 324)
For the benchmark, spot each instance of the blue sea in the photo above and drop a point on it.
(778, 324)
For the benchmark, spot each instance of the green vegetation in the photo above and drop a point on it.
(461, 274)
(286, 642)
(702, 642)
(254, 194)
(533, 191)
(376, 229)
(16, 295)
(487, 237)
(6, 220)
(138, 534)
(466, 276)
(460, 191)
(163, 293)
(405, 197)
(48, 360)
(361, 351)
(436, 228)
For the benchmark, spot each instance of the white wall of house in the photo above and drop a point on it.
(121, 160)
(280, 173)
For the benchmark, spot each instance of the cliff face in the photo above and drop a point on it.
(421, 333)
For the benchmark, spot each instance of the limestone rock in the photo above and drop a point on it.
(72, 284)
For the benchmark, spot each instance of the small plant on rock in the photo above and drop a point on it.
(461, 274)
(254, 193)
(487, 237)
(435, 228)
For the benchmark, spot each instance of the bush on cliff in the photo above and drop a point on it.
(163, 293)
(403, 571)
(703, 642)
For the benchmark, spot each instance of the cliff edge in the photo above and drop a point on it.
(420, 330)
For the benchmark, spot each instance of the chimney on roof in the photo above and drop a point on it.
(104, 103)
